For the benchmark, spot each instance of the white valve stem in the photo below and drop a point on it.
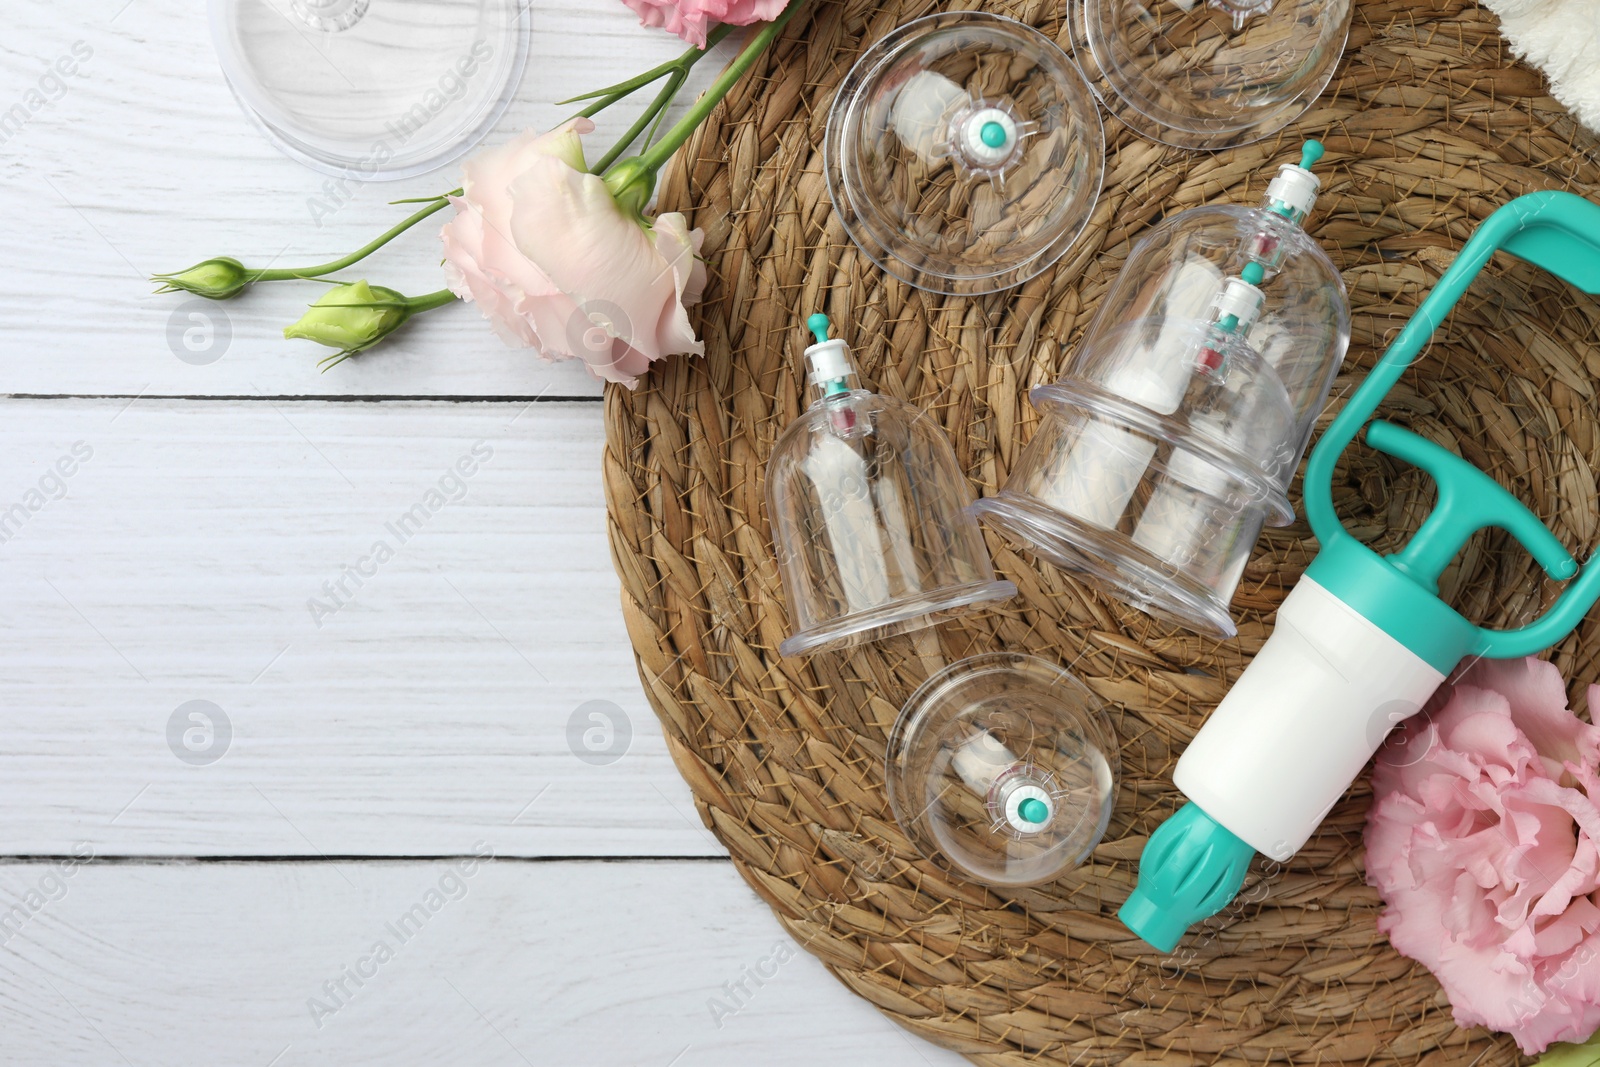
(1293, 193)
(1013, 790)
(830, 362)
(989, 137)
(1240, 300)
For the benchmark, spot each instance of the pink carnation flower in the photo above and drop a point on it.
(1482, 842)
(555, 263)
(690, 19)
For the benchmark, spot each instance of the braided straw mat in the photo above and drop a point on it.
(1429, 127)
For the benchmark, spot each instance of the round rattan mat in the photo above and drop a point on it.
(1429, 126)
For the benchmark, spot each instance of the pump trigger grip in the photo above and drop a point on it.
(1560, 232)
(1468, 501)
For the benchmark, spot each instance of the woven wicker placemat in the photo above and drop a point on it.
(1429, 127)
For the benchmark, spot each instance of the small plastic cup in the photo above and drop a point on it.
(1208, 74)
(870, 515)
(963, 153)
(1002, 768)
(369, 90)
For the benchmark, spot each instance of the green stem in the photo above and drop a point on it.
(429, 301)
(655, 128)
(657, 155)
(600, 105)
(657, 107)
(280, 274)
(613, 93)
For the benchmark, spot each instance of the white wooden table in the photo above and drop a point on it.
(182, 890)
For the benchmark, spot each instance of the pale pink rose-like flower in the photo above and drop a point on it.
(555, 263)
(1482, 839)
(690, 19)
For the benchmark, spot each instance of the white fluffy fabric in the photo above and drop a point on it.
(1561, 38)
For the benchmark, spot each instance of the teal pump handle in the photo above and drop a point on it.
(1559, 232)
(1469, 500)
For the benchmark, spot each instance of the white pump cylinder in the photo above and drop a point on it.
(1301, 722)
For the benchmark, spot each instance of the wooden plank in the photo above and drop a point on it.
(214, 551)
(178, 681)
(144, 163)
(485, 964)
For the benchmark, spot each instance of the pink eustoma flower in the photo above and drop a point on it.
(691, 19)
(555, 263)
(1482, 842)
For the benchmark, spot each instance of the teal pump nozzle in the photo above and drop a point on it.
(1191, 868)
(1363, 640)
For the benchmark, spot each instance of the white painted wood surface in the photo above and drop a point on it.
(514, 964)
(163, 526)
(146, 164)
(407, 712)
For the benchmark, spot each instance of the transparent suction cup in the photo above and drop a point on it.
(1003, 767)
(372, 89)
(1177, 428)
(1208, 75)
(964, 153)
(870, 515)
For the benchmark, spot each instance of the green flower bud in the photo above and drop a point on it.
(631, 183)
(214, 279)
(351, 318)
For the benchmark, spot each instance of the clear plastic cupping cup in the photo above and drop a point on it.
(372, 91)
(1002, 768)
(870, 514)
(1177, 428)
(963, 153)
(1208, 74)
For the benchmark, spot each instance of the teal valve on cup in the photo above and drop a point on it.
(1363, 640)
